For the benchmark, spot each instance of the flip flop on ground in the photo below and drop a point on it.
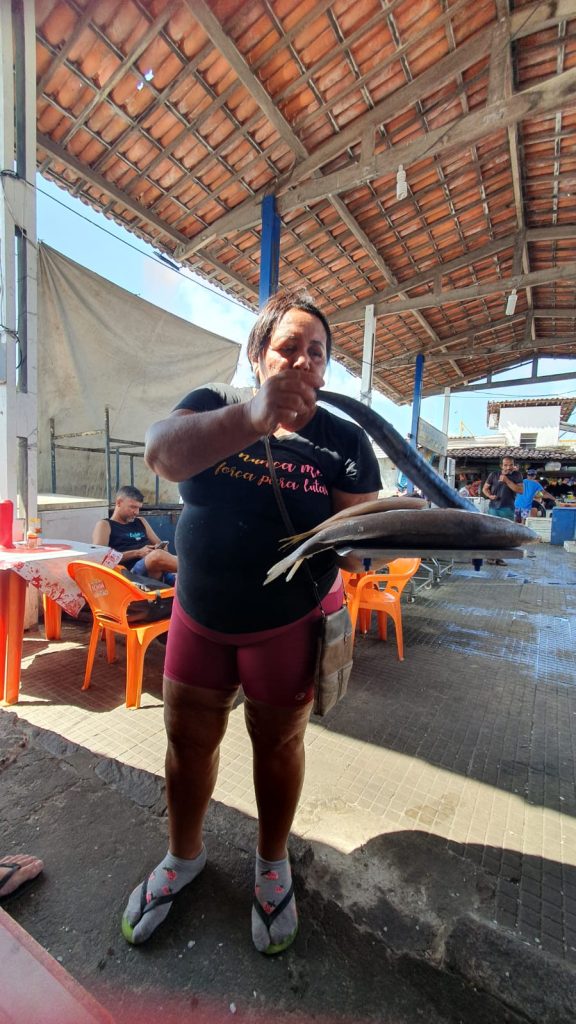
(17, 873)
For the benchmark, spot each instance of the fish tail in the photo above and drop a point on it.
(281, 567)
(294, 569)
(297, 538)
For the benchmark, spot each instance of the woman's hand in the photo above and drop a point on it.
(287, 399)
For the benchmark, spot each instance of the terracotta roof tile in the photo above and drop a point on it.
(175, 118)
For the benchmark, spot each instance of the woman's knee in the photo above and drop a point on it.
(276, 729)
(195, 717)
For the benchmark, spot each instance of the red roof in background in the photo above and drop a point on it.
(567, 456)
(567, 405)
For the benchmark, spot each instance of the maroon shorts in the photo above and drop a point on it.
(275, 666)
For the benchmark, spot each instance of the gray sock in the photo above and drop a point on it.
(150, 903)
(273, 931)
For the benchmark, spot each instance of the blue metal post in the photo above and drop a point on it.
(416, 403)
(269, 250)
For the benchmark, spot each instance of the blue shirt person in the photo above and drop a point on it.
(532, 487)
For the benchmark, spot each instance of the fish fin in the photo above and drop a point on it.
(297, 538)
(294, 569)
(280, 567)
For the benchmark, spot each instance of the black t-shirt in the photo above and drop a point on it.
(229, 532)
(127, 537)
(505, 498)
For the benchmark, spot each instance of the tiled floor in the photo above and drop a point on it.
(470, 739)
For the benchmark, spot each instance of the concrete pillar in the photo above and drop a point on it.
(18, 300)
(368, 355)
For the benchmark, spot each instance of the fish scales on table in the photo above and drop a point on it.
(403, 455)
(411, 529)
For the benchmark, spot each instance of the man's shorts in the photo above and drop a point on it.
(274, 666)
(502, 513)
(169, 578)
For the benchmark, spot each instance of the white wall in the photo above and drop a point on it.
(543, 420)
(70, 523)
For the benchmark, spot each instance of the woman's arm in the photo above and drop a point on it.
(341, 499)
(187, 442)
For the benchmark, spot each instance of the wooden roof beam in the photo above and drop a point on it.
(202, 13)
(479, 386)
(143, 43)
(467, 54)
(562, 313)
(57, 152)
(481, 352)
(564, 272)
(371, 250)
(547, 96)
(438, 271)
(69, 43)
(213, 28)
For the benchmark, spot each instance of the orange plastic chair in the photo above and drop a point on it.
(380, 592)
(109, 592)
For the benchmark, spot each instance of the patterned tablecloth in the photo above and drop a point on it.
(45, 567)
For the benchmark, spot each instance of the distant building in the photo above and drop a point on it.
(536, 432)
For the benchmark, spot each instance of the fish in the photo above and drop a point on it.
(403, 455)
(409, 529)
(361, 509)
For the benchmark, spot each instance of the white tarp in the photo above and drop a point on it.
(98, 346)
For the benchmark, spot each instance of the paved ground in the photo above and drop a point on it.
(435, 844)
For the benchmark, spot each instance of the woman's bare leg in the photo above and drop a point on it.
(277, 736)
(196, 721)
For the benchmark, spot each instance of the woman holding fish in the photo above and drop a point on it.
(227, 629)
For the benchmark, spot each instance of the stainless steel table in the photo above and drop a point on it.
(369, 559)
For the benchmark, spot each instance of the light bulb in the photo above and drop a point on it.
(511, 303)
(401, 183)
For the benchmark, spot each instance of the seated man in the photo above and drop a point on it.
(142, 551)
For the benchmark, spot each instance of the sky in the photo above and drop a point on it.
(89, 238)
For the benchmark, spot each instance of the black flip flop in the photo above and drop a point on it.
(12, 867)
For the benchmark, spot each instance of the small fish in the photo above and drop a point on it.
(411, 529)
(402, 454)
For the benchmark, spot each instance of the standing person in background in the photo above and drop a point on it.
(463, 486)
(524, 502)
(501, 489)
(226, 629)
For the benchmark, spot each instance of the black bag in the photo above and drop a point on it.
(148, 611)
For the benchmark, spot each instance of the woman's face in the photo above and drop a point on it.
(298, 342)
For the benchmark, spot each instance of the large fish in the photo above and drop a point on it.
(363, 508)
(409, 529)
(402, 454)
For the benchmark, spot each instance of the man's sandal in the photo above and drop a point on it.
(11, 867)
(268, 919)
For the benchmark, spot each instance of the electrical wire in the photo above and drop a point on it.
(142, 252)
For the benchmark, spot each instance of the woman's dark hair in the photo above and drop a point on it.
(271, 314)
